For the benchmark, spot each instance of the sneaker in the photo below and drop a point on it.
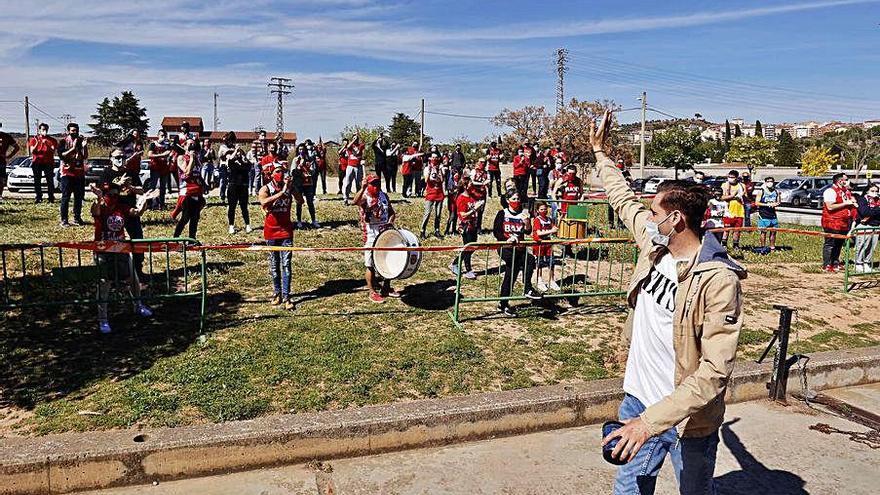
(288, 305)
(554, 286)
(276, 300)
(542, 286)
(144, 311)
(453, 268)
(376, 297)
(837, 267)
(315, 224)
(531, 294)
(506, 310)
(77, 223)
(248, 229)
(63, 225)
(299, 225)
(470, 275)
(104, 327)
(828, 268)
(437, 234)
(231, 229)
(860, 268)
(392, 293)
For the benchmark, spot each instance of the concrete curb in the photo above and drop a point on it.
(79, 461)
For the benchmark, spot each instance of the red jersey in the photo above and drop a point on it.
(434, 181)
(572, 190)
(192, 182)
(355, 152)
(75, 163)
(494, 159)
(480, 176)
(43, 150)
(110, 222)
(521, 164)
(463, 203)
(410, 166)
(321, 159)
(159, 164)
(343, 159)
(558, 153)
(278, 224)
(305, 173)
(541, 223)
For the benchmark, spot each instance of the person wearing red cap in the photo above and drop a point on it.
(275, 198)
(377, 215)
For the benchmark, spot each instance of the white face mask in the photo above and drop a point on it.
(731, 180)
(653, 231)
(871, 194)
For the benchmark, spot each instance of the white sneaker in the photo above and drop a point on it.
(453, 268)
(104, 326)
(316, 225)
(542, 286)
(860, 268)
(554, 285)
(144, 310)
(231, 229)
(248, 229)
(470, 275)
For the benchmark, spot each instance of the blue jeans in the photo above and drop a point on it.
(279, 267)
(693, 459)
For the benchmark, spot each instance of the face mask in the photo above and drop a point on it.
(871, 194)
(43, 132)
(770, 186)
(116, 161)
(542, 213)
(559, 166)
(472, 192)
(514, 205)
(278, 176)
(698, 180)
(569, 176)
(373, 190)
(844, 183)
(731, 180)
(653, 231)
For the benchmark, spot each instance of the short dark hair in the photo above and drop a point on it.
(836, 177)
(769, 178)
(72, 125)
(699, 172)
(733, 173)
(43, 125)
(688, 198)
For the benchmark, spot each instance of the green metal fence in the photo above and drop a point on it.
(64, 274)
(862, 259)
(582, 268)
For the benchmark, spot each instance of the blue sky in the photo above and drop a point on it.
(359, 61)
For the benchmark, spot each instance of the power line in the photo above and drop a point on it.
(561, 69)
(47, 114)
(459, 115)
(664, 113)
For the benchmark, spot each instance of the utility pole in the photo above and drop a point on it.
(281, 87)
(67, 118)
(216, 118)
(644, 99)
(27, 123)
(422, 126)
(561, 69)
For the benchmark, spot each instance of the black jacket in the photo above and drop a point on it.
(868, 215)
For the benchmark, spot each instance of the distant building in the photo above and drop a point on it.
(870, 123)
(637, 136)
(196, 125)
(769, 131)
(736, 121)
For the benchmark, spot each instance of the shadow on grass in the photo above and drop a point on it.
(433, 296)
(54, 352)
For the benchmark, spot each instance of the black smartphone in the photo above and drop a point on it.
(607, 428)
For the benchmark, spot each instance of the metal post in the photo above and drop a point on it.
(27, 125)
(779, 380)
(642, 135)
(422, 127)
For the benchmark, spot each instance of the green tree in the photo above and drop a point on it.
(759, 131)
(368, 134)
(754, 151)
(113, 118)
(737, 131)
(712, 149)
(675, 147)
(816, 161)
(727, 135)
(405, 130)
(788, 153)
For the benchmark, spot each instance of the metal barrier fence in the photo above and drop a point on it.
(596, 216)
(581, 268)
(861, 258)
(71, 273)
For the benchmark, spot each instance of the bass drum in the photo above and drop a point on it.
(401, 264)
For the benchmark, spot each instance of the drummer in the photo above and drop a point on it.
(377, 215)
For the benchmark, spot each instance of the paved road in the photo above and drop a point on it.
(767, 448)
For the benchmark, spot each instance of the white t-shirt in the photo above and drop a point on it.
(829, 195)
(650, 366)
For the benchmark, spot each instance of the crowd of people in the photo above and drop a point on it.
(285, 177)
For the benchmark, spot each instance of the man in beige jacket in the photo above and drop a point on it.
(682, 332)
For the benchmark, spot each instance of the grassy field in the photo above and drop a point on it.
(336, 349)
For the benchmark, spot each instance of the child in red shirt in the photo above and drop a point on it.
(542, 230)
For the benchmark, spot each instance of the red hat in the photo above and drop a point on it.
(372, 178)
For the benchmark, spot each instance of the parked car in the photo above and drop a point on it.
(815, 197)
(795, 191)
(21, 178)
(652, 183)
(638, 185)
(95, 168)
(16, 162)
